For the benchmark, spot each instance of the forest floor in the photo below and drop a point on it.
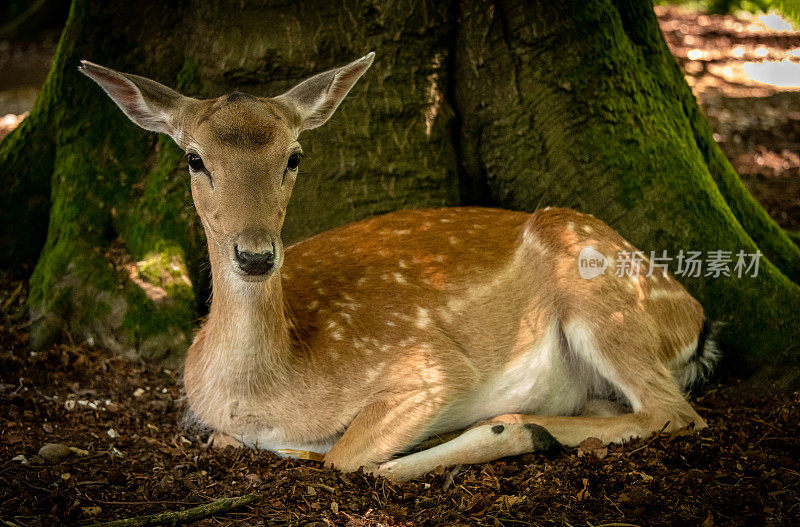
(122, 449)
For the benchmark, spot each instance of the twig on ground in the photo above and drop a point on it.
(652, 439)
(185, 516)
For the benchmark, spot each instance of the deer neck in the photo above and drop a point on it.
(247, 328)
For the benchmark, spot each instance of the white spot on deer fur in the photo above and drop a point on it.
(390, 323)
(659, 294)
(407, 342)
(423, 318)
(332, 324)
(313, 305)
(587, 229)
(337, 335)
(402, 232)
(399, 278)
(371, 374)
(570, 226)
(401, 316)
(455, 304)
(402, 264)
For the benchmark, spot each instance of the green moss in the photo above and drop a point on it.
(794, 236)
(158, 331)
(101, 192)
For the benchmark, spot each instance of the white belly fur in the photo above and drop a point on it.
(540, 382)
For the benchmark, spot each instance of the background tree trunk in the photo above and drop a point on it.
(511, 104)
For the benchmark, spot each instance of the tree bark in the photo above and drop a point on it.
(512, 104)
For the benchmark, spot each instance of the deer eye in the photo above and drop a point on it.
(294, 161)
(195, 162)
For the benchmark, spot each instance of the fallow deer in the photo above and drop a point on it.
(361, 342)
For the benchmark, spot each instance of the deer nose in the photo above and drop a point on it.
(255, 263)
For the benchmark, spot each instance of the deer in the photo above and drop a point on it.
(360, 343)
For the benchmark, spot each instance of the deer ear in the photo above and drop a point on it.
(147, 103)
(315, 99)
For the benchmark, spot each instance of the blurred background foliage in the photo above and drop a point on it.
(23, 18)
(789, 8)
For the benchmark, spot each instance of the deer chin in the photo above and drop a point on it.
(255, 278)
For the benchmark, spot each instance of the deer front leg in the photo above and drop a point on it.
(220, 441)
(382, 429)
(480, 444)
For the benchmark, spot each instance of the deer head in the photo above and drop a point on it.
(242, 152)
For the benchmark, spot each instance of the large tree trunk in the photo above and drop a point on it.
(511, 104)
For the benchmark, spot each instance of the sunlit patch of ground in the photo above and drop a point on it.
(10, 121)
(745, 73)
(23, 69)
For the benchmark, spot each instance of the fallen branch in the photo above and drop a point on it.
(185, 516)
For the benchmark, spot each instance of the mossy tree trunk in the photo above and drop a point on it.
(512, 104)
